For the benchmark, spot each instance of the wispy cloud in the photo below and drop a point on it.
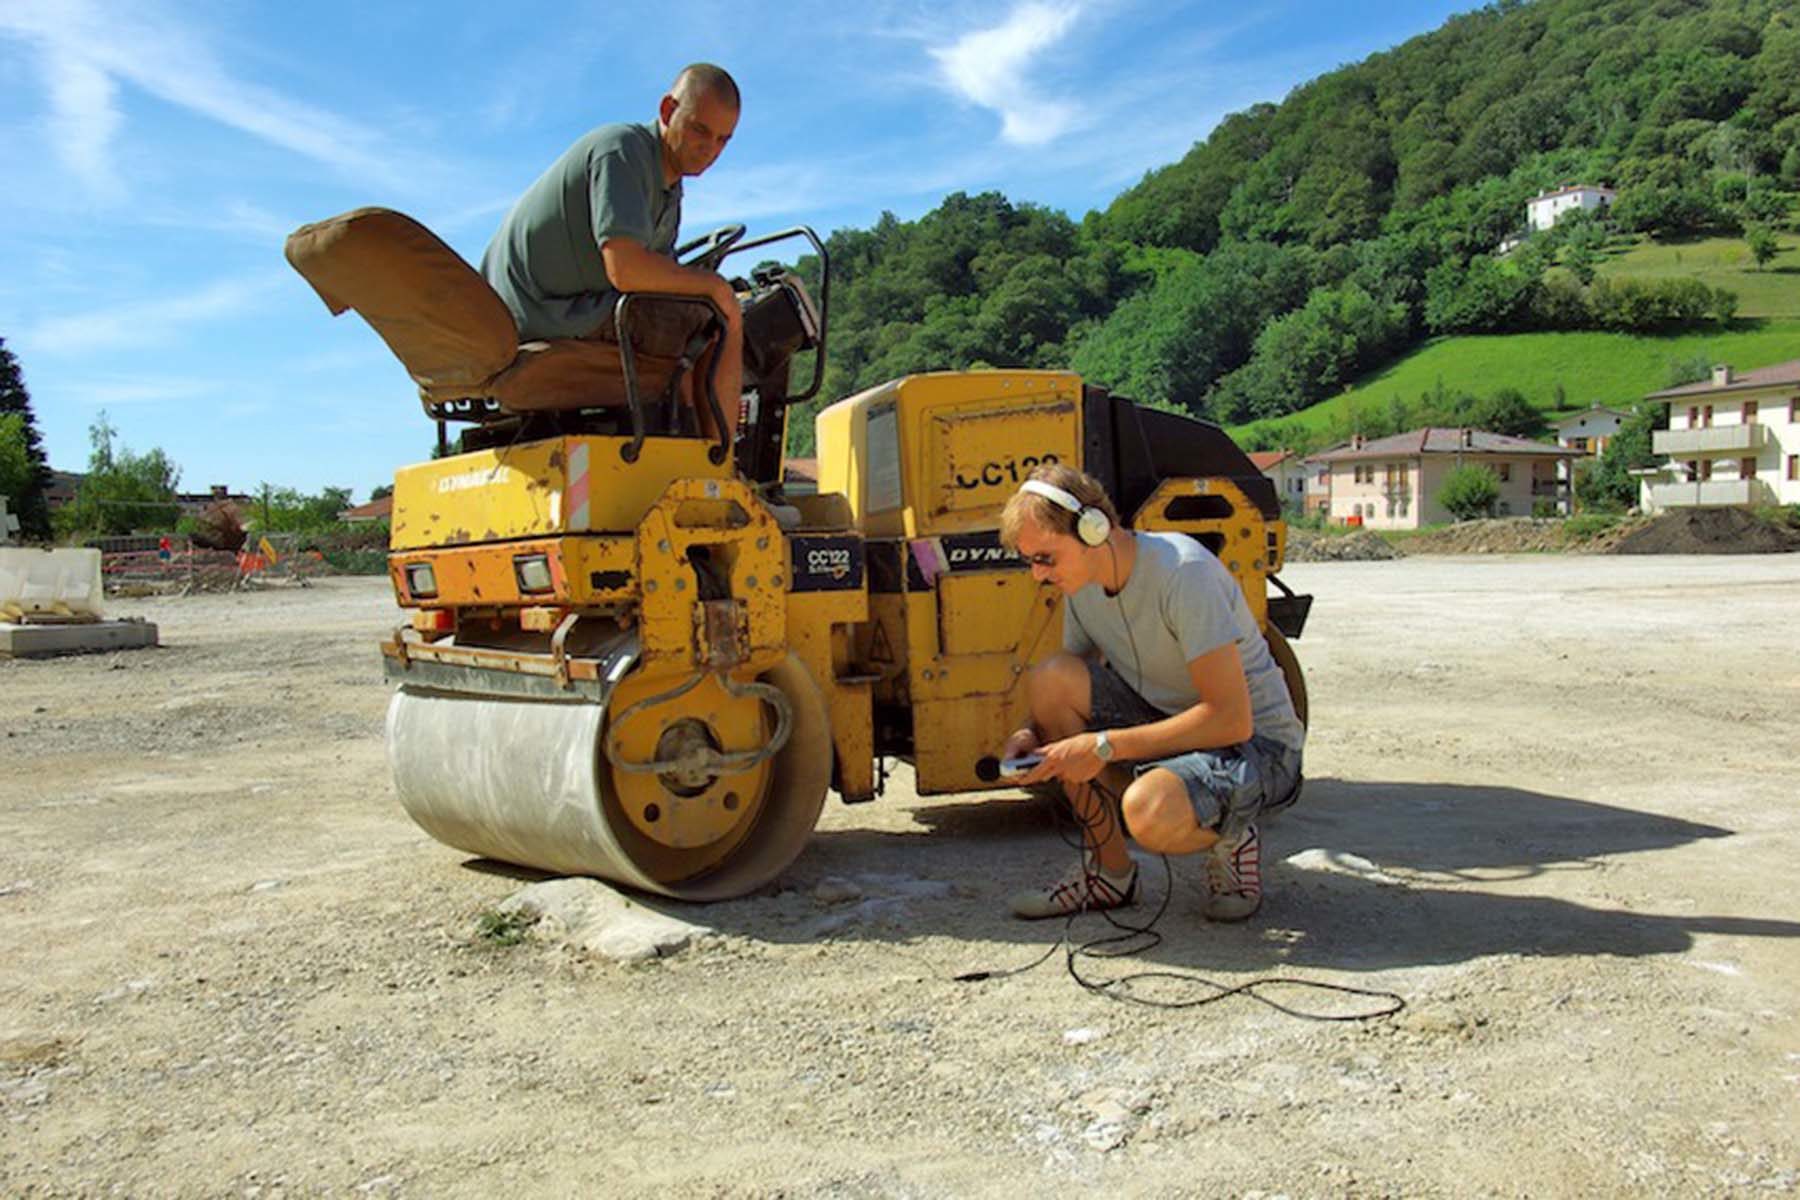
(148, 322)
(88, 49)
(990, 67)
(108, 391)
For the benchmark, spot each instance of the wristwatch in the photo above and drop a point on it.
(1103, 747)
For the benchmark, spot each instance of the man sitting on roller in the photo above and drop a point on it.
(1164, 673)
(602, 221)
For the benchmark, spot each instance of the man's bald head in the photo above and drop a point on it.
(699, 80)
(696, 119)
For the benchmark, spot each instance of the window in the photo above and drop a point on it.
(1505, 472)
(1746, 468)
(1693, 416)
(1579, 443)
(1748, 414)
(1794, 409)
(1706, 417)
(1705, 469)
(1693, 470)
(1794, 466)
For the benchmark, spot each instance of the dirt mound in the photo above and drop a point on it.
(1708, 531)
(1499, 535)
(1304, 545)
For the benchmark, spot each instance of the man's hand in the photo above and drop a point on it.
(1071, 760)
(633, 267)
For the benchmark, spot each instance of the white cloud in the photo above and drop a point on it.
(83, 119)
(990, 67)
(113, 390)
(89, 49)
(149, 322)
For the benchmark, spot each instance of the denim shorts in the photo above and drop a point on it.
(1229, 787)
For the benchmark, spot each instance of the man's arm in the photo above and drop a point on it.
(1223, 717)
(634, 267)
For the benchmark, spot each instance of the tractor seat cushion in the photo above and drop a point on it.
(448, 328)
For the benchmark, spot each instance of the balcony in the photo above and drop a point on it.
(1718, 440)
(1711, 493)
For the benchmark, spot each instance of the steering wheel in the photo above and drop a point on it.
(713, 247)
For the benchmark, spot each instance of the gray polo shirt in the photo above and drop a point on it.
(545, 260)
(1179, 602)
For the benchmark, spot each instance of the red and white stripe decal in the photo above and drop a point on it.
(577, 490)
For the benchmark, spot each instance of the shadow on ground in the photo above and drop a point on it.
(1454, 871)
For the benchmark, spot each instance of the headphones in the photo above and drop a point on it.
(1092, 525)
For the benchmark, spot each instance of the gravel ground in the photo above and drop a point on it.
(1551, 805)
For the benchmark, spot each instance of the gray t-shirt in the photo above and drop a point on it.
(1179, 603)
(545, 260)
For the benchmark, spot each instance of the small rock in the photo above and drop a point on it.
(1338, 862)
(834, 889)
(266, 885)
(12, 889)
(1081, 1037)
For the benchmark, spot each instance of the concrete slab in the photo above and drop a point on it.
(43, 641)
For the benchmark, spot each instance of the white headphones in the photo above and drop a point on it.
(1092, 525)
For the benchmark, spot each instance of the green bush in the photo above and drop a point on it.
(1469, 491)
(1588, 525)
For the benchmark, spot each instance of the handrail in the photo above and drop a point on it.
(628, 361)
(806, 232)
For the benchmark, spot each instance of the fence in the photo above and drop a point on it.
(186, 567)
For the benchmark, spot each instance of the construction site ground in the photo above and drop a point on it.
(1551, 804)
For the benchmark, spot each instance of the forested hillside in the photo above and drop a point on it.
(1306, 242)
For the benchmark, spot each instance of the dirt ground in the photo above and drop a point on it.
(1551, 804)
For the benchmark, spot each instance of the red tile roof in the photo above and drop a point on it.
(1775, 376)
(1264, 459)
(374, 510)
(1435, 440)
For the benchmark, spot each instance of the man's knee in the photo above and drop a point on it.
(1058, 687)
(1158, 814)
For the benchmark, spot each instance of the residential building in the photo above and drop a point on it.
(379, 509)
(194, 503)
(1588, 432)
(1733, 439)
(1547, 208)
(1393, 482)
(1287, 472)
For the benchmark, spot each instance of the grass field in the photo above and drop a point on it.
(1614, 369)
(1773, 291)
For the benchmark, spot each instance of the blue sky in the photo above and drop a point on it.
(157, 153)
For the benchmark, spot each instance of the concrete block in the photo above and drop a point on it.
(43, 641)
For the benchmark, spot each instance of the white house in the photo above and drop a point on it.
(1547, 208)
(1587, 431)
(1287, 472)
(1733, 439)
(1393, 482)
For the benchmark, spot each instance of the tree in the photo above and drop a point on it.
(124, 492)
(26, 500)
(288, 510)
(1762, 243)
(1469, 491)
(16, 468)
(1608, 485)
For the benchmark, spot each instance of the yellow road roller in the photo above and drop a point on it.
(634, 653)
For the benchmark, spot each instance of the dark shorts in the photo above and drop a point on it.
(659, 327)
(1228, 787)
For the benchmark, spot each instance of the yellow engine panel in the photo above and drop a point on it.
(539, 489)
(939, 453)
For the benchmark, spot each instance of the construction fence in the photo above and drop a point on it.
(152, 564)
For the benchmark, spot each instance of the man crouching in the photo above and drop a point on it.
(1165, 675)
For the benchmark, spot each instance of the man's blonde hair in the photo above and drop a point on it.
(1046, 513)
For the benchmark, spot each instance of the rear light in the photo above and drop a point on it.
(532, 572)
(421, 581)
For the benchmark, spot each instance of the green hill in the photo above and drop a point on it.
(1613, 369)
